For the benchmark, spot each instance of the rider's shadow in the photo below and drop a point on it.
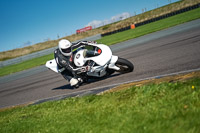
(67, 86)
(64, 87)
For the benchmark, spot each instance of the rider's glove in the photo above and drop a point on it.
(94, 42)
(73, 82)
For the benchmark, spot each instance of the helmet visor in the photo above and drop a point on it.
(67, 50)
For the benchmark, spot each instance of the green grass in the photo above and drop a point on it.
(25, 65)
(115, 38)
(152, 27)
(158, 108)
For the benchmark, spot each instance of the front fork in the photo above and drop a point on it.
(112, 63)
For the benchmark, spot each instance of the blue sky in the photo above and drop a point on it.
(27, 22)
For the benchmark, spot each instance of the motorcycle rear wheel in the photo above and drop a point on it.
(124, 65)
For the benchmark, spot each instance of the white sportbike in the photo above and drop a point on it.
(95, 61)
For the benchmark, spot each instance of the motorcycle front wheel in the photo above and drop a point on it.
(124, 65)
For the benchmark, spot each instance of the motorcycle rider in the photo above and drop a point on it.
(64, 55)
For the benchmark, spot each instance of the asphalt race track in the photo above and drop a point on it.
(172, 50)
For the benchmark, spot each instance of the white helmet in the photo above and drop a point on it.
(65, 47)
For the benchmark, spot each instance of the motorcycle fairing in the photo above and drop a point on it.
(97, 71)
(101, 59)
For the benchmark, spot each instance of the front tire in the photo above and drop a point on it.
(124, 65)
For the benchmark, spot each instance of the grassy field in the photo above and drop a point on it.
(167, 107)
(112, 39)
(152, 27)
(25, 65)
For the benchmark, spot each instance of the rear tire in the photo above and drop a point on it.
(124, 65)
